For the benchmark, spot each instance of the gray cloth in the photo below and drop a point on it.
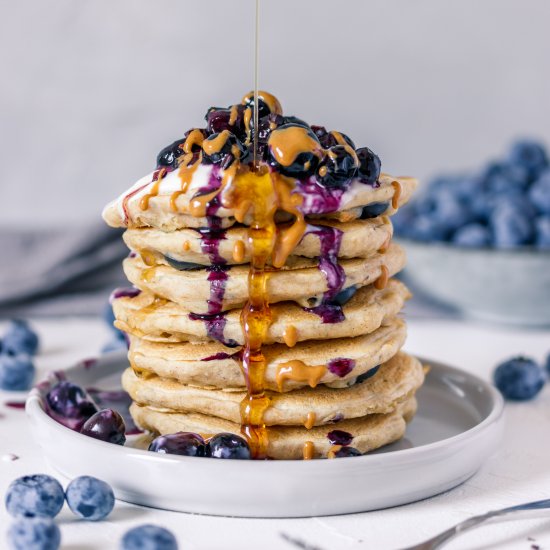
(68, 271)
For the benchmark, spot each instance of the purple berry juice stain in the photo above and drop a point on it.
(341, 366)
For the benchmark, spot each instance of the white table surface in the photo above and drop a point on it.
(518, 472)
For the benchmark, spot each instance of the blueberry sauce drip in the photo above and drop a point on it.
(217, 277)
(329, 313)
(215, 325)
(318, 199)
(15, 404)
(339, 437)
(130, 292)
(341, 366)
(210, 241)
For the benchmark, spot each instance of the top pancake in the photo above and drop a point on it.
(127, 210)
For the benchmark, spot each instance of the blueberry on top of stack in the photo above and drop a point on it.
(506, 204)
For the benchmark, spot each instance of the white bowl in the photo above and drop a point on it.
(506, 286)
(457, 427)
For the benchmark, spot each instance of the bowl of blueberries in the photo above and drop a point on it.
(480, 242)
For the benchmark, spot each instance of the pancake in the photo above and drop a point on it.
(126, 210)
(395, 381)
(334, 362)
(156, 319)
(229, 289)
(359, 239)
(368, 433)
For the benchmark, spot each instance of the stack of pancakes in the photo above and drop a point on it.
(335, 374)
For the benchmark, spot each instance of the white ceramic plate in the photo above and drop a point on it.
(458, 425)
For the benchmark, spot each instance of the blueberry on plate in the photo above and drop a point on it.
(90, 498)
(180, 443)
(34, 534)
(530, 154)
(347, 451)
(338, 167)
(70, 401)
(168, 157)
(374, 210)
(473, 235)
(542, 228)
(228, 445)
(36, 495)
(16, 372)
(282, 153)
(106, 425)
(217, 147)
(539, 193)
(20, 338)
(369, 166)
(519, 378)
(148, 537)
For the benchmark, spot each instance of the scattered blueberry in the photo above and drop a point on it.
(20, 338)
(473, 235)
(90, 498)
(70, 401)
(228, 445)
(105, 425)
(148, 537)
(168, 157)
(36, 495)
(180, 443)
(34, 534)
(539, 193)
(347, 451)
(16, 372)
(374, 210)
(338, 167)
(519, 379)
(530, 154)
(369, 166)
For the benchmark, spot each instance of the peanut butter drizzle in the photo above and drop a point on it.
(384, 248)
(333, 450)
(287, 143)
(195, 137)
(269, 99)
(309, 450)
(148, 258)
(186, 246)
(290, 336)
(247, 117)
(233, 115)
(186, 171)
(238, 251)
(382, 281)
(144, 202)
(396, 194)
(298, 371)
(349, 149)
(211, 146)
(310, 421)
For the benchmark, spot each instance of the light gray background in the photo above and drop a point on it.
(92, 89)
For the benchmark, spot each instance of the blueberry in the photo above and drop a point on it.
(168, 157)
(529, 154)
(183, 266)
(37, 495)
(267, 103)
(519, 378)
(511, 227)
(473, 235)
(281, 148)
(344, 296)
(338, 167)
(20, 338)
(366, 375)
(539, 193)
(347, 451)
(148, 537)
(450, 211)
(180, 443)
(106, 425)
(328, 139)
(426, 228)
(228, 445)
(70, 401)
(502, 177)
(34, 534)
(90, 498)
(369, 166)
(542, 227)
(16, 372)
(374, 210)
(218, 119)
(223, 146)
